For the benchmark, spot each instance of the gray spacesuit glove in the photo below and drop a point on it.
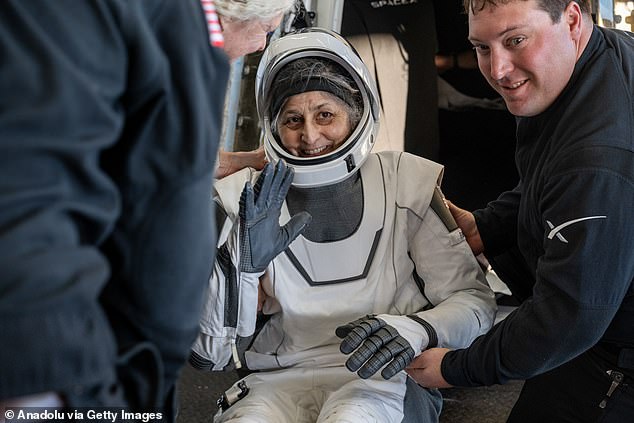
(261, 236)
(378, 343)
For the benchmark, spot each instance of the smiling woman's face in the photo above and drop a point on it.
(313, 123)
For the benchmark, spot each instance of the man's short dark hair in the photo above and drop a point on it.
(553, 7)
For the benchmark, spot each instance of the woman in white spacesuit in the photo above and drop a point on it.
(381, 252)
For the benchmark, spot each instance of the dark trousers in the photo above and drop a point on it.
(572, 393)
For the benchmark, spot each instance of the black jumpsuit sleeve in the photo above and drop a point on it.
(109, 124)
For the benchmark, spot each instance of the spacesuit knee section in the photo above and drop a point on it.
(267, 401)
(359, 411)
(243, 419)
(250, 412)
(364, 401)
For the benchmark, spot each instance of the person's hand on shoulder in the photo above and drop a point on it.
(232, 161)
(467, 223)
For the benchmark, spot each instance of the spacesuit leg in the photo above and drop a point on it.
(284, 396)
(366, 400)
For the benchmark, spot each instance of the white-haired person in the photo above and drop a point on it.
(362, 248)
(246, 27)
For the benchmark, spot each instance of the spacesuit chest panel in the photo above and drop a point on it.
(332, 262)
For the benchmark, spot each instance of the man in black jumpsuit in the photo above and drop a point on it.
(571, 216)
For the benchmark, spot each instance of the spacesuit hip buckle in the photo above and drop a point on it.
(232, 395)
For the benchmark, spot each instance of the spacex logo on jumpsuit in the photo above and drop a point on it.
(555, 229)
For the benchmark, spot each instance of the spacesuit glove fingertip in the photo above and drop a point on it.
(280, 166)
(345, 348)
(341, 331)
(365, 373)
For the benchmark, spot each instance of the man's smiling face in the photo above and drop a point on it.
(523, 54)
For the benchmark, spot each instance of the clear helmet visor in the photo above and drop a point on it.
(350, 155)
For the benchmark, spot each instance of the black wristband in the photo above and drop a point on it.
(431, 332)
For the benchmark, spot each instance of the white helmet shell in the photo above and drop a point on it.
(347, 158)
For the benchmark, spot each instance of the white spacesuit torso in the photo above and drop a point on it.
(314, 287)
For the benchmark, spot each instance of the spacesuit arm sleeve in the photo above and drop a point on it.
(462, 304)
(230, 311)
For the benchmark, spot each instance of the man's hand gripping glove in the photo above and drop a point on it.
(383, 340)
(261, 237)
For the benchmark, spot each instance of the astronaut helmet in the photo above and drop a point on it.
(288, 67)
